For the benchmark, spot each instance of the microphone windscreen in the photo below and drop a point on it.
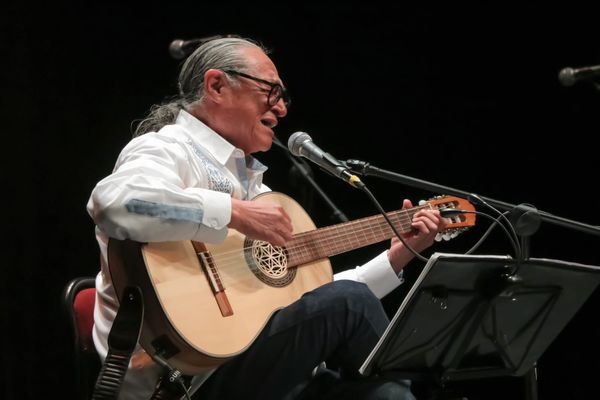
(295, 142)
(176, 49)
(566, 76)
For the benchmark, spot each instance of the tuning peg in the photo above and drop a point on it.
(447, 235)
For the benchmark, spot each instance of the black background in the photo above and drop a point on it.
(465, 95)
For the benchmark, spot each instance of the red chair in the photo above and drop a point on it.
(94, 380)
(79, 297)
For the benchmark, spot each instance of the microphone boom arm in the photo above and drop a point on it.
(364, 168)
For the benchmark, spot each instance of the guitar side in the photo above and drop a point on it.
(181, 310)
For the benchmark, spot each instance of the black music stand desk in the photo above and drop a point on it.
(469, 317)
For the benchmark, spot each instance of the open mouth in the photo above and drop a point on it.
(269, 123)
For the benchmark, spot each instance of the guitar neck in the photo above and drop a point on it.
(336, 239)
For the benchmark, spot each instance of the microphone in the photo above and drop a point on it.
(301, 144)
(569, 76)
(180, 49)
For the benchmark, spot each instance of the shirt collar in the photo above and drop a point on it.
(220, 148)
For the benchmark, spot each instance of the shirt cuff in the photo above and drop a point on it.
(216, 214)
(377, 274)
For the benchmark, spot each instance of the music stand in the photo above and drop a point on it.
(469, 317)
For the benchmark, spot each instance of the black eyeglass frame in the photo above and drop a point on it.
(283, 93)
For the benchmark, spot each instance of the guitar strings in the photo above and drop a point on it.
(375, 226)
(331, 233)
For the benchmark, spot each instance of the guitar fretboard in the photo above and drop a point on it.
(336, 239)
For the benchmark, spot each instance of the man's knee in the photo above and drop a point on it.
(357, 296)
(356, 305)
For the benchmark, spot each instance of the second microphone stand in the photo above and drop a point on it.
(305, 171)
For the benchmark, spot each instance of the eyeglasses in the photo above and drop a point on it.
(276, 93)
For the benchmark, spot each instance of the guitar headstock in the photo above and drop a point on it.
(459, 222)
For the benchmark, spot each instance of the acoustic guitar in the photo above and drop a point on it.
(205, 303)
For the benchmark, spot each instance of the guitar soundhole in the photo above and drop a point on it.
(268, 263)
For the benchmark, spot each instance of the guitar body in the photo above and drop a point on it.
(204, 304)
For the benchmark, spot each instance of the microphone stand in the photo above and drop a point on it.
(364, 168)
(305, 172)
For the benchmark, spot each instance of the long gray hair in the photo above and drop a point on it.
(220, 53)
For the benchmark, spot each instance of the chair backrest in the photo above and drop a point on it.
(79, 296)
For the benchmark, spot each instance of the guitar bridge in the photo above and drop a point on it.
(214, 280)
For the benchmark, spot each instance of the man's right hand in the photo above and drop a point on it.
(261, 221)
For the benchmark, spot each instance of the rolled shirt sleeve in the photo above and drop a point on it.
(145, 199)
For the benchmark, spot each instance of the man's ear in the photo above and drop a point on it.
(214, 82)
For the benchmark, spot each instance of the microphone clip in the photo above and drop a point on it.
(358, 167)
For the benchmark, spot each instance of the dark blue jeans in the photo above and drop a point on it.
(339, 323)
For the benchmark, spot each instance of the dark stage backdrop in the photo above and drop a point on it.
(466, 96)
